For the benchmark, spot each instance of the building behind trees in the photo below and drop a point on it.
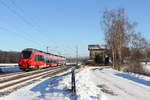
(99, 54)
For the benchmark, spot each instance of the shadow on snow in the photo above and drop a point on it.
(98, 97)
(133, 78)
(51, 86)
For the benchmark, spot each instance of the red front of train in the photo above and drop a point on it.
(35, 59)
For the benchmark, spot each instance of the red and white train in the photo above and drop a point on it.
(35, 59)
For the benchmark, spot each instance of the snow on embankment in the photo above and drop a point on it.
(96, 83)
(47, 88)
(8, 64)
(59, 88)
(9, 69)
(146, 68)
(92, 83)
(86, 88)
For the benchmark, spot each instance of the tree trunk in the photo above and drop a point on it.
(113, 54)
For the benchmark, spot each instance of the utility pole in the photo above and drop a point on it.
(77, 55)
(47, 49)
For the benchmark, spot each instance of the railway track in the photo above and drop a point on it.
(22, 74)
(12, 74)
(9, 74)
(22, 78)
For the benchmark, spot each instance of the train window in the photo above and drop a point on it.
(42, 58)
(39, 58)
(47, 60)
(52, 60)
(55, 60)
(36, 57)
(26, 54)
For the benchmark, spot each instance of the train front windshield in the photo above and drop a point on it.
(26, 54)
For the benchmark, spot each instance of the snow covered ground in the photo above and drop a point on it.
(146, 67)
(9, 69)
(118, 85)
(8, 64)
(93, 83)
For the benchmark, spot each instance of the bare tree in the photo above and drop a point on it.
(116, 29)
(139, 48)
(9, 56)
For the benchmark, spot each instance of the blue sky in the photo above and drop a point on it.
(63, 24)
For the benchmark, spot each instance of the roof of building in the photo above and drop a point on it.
(97, 47)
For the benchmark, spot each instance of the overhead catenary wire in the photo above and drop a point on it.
(30, 21)
(21, 36)
(15, 12)
(25, 20)
(61, 51)
(28, 39)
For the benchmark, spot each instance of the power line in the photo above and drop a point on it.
(21, 36)
(20, 16)
(77, 55)
(13, 2)
(57, 51)
(34, 26)
(30, 23)
(15, 12)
